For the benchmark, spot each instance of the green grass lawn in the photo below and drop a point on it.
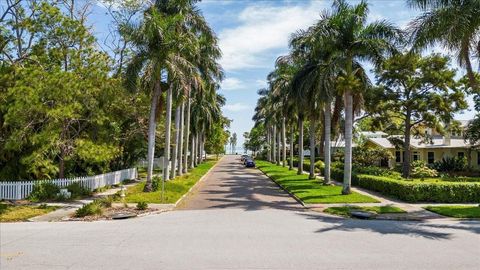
(309, 190)
(346, 210)
(456, 211)
(446, 179)
(174, 189)
(11, 213)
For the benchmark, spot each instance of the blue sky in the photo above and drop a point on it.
(253, 34)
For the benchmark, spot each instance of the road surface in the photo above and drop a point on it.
(237, 219)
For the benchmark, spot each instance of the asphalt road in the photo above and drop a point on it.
(236, 233)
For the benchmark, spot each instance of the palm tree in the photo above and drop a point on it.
(454, 24)
(355, 40)
(156, 55)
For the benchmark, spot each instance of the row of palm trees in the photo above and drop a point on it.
(176, 61)
(324, 72)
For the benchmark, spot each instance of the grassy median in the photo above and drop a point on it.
(309, 190)
(174, 189)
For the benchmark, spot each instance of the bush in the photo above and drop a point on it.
(421, 170)
(378, 171)
(156, 183)
(78, 191)
(421, 192)
(44, 191)
(451, 164)
(106, 201)
(92, 209)
(142, 205)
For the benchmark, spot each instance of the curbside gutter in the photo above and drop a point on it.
(196, 184)
(284, 189)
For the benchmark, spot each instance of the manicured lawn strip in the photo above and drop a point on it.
(174, 189)
(346, 210)
(446, 180)
(456, 211)
(309, 190)
(10, 213)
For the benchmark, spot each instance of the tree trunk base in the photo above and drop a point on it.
(346, 191)
(148, 188)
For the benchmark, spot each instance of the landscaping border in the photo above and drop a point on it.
(284, 189)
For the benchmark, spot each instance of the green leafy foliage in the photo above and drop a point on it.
(451, 164)
(91, 209)
(78, 191)
(421, 191)
(364, 155)
(421, 170)
(142, 206)
(44, 191)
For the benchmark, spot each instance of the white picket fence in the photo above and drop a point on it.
(17, 190)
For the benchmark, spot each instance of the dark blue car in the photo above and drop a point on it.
(249, 163)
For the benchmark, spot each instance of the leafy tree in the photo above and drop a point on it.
(218, 137)
(422, 91)
(454, 24)
(63, 111)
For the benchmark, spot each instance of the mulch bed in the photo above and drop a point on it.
(108, 213)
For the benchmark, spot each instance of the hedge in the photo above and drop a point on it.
(421, 192)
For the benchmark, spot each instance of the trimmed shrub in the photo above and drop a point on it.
(78, 191)
(421, 192)
(44, 191)
(156, 183)
(142, 205)
(92, 209)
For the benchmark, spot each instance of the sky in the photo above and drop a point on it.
(252, 34)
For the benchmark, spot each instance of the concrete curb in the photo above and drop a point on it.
(196, 184)
(284, 189)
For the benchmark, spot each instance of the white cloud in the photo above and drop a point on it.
(236, 107)
(263, 28)
(232, 84)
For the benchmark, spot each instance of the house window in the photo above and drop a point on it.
(398, 157)
(461, 154)
(431, 157)
(416, 156)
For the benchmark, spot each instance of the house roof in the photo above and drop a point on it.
(418, 143)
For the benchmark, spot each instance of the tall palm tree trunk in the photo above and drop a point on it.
(274, 143)
(202, 150)
(300, 146)
(177, 137)
(347, 178)
(152, 127)
(292, 147)
(193, 154)
(269, 150)
(284, 143)
(180, 139)
(279, 148)
(312, 149)
(187, 135)
(168, 126)
(326, 147)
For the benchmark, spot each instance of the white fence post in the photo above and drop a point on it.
(17, 190)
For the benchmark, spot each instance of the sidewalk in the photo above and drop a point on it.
(67, 209)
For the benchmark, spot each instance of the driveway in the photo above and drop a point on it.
(245, 222)
(232, 186)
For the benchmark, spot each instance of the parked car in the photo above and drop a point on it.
(249, 163)
(243, 157)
